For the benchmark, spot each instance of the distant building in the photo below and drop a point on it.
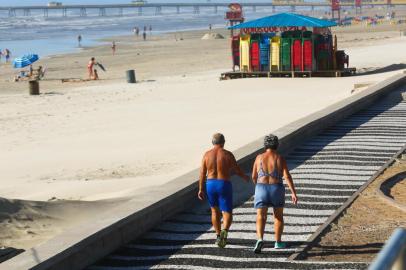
(54, 4)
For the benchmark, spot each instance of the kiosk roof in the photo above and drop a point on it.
(285, 20)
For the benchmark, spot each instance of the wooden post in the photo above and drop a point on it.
(334, 53)
(231, 38)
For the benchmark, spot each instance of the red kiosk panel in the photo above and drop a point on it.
(307, 55)
(255, 65)
(297, 55)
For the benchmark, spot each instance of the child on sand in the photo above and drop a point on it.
(95, 75)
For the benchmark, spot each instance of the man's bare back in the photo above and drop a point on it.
(220, 163)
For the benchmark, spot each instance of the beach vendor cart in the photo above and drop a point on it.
(287, 45)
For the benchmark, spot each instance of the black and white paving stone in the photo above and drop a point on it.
(326, 170)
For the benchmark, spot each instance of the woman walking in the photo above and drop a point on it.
(269, 169)
(90, 68)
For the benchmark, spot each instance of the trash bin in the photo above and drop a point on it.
(131, 76)
(34, 87)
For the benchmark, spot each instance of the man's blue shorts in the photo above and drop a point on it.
(220, 194)
(269, 195)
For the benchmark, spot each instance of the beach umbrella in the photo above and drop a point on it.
(32, 57)
(25, 60)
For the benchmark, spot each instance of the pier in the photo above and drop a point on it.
(158, 8)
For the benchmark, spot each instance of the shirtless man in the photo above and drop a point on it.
(218, 165)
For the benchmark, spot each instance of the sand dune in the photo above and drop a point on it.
(24, 224)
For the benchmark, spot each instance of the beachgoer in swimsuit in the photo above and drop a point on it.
(90, 66)
(113, 47)
(80, 40)
(217, 167)
(7, 54)
(269, 168)
(41, 72)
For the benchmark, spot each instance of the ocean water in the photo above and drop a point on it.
(56, 34)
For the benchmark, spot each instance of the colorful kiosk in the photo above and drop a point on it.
(287, 44)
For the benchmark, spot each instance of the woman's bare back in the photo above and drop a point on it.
(272, 168)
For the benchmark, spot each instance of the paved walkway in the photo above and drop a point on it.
(326, 170)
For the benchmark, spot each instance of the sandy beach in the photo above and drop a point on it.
(82, 147)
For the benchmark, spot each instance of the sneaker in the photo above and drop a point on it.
(280, 245)
(258, 246)
(217, 240)
(223, 239)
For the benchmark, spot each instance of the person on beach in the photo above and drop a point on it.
(31, 71)
(40, 73)
(95, 75)
(7, 55)
(150, 30)
(269, 168)
(113, 47)
(144, 35)
(90, 67)
(80, 40)
(137, 31)
(217, 167)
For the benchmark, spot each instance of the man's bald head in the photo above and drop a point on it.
(218, 139)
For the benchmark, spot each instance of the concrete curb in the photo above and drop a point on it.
(87, 243)
(388, 199)
(316, 236)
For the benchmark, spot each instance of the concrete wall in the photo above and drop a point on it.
(85, 244)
